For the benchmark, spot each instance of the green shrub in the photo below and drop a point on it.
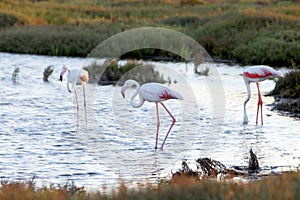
(51, 40)
(7, 20)
(289, 86)
(111, 73)
(268, 47)
(251, 39)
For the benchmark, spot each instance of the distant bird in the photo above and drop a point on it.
(47, 72)
(15, 74)
(76, 77)
(152, 92)
(257, 74)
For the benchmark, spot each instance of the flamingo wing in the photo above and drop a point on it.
(84, 75)
(155, 92)
(78, 76)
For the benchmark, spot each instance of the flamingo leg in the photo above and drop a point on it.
(77, 106)
(158, 124)
(173, 122)
(257, 112)
(84, 104)
(259, 105)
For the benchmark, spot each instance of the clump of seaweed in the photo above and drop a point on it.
(210, 168)
(47, 72)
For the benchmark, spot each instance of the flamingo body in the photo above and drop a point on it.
(260, 73)
(76, 77)
(257, 74)
(152, 92)
(155, 92)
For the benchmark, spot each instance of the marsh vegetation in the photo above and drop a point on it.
(247, 32)
(285, 186)
(110, 72)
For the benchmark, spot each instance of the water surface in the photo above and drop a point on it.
(40, 136)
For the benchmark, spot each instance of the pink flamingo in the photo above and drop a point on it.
(76, 77)
(257, 74)
(152, 92)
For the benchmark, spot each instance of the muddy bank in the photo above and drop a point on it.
(287, 93)
(289, 105)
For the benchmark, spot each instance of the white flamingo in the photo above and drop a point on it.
(76, 77)
(152, 92)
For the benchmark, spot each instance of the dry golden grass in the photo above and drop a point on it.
(59, 12)
(274, 13)
(285, 186)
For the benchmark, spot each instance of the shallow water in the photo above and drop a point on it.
(40, 135)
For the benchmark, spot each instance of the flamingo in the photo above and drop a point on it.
(152, 92)
(257, 74)
(76, 77)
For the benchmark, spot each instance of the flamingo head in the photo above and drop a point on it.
(280, 75)
(123, 91)
(64, 69)
(128, 84)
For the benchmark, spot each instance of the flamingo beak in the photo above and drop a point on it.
(282, 75)
(123, 91)
(61, 76)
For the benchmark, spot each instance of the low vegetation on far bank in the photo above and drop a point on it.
(248, 32)
(111, 73)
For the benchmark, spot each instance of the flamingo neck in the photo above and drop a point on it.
(69, 81)
(247, 83)
(139, 103)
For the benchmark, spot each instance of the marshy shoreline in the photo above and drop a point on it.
(182, 185)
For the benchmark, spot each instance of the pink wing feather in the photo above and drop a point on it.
(155, 92)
